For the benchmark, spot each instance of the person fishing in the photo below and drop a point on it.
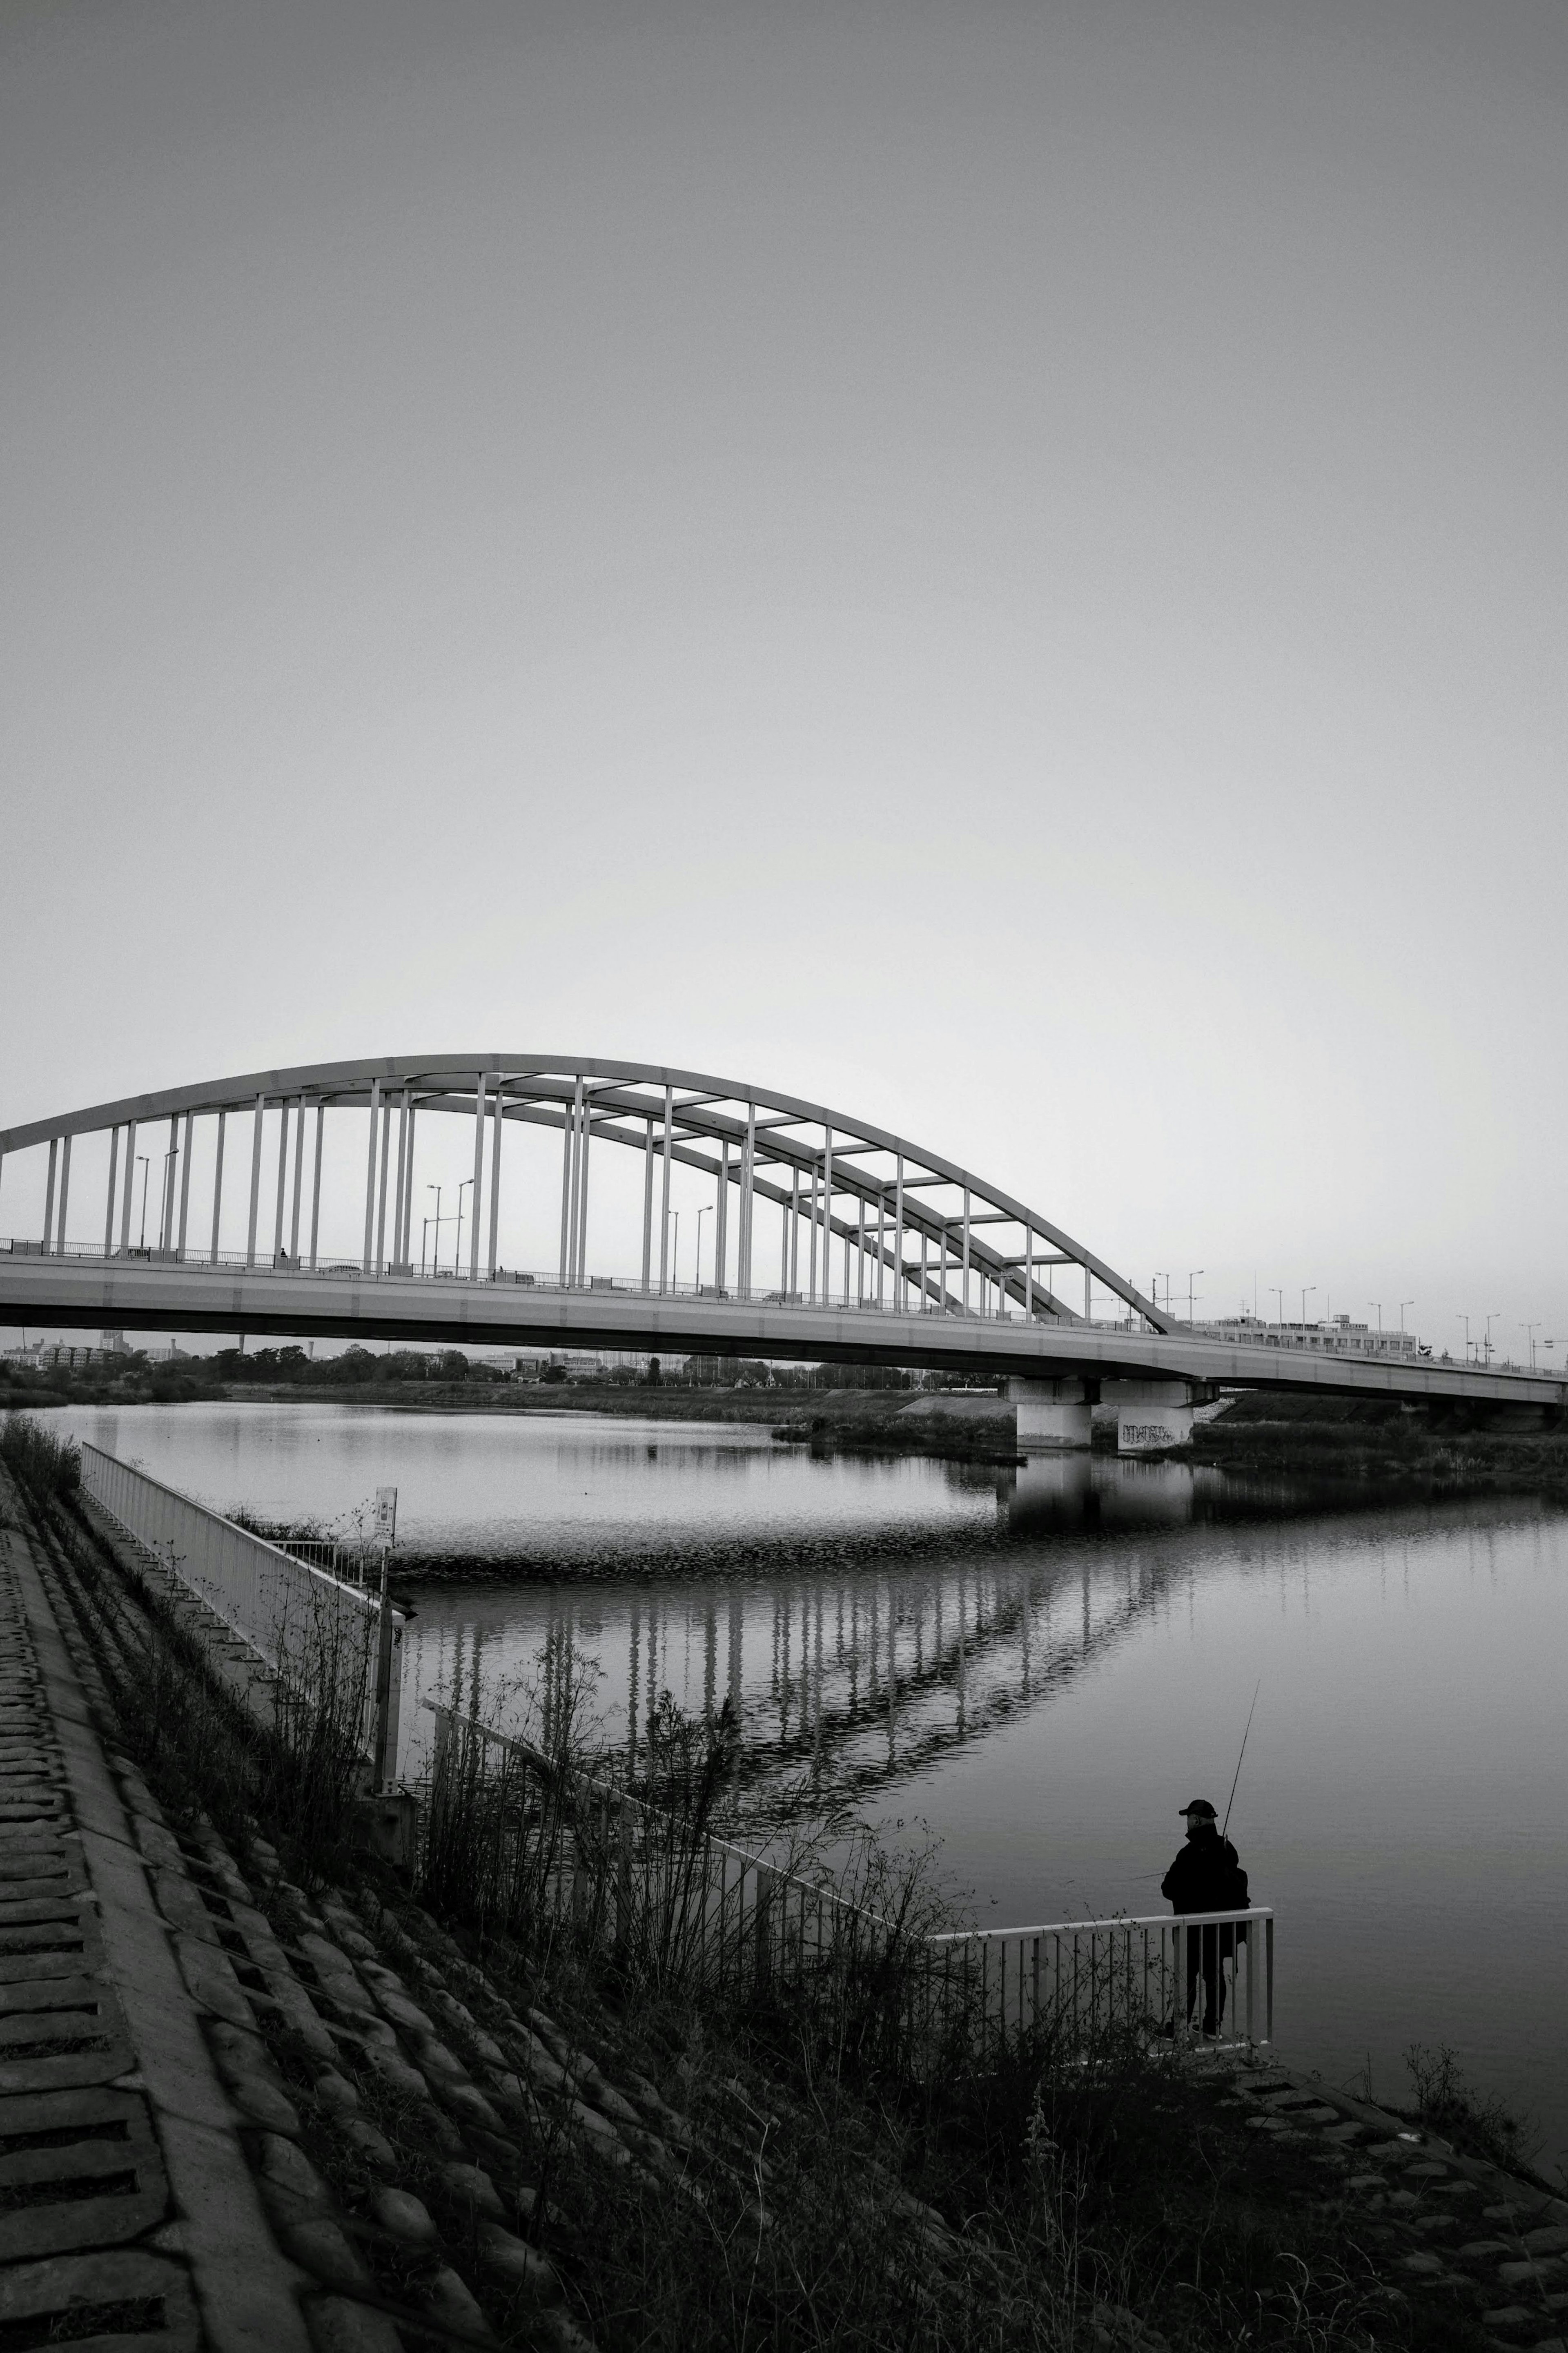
(1207, 1876)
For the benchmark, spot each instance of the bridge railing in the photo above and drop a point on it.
(318, 1634)
(549, 1281)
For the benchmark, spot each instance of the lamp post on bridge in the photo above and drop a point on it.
(457, 1245)
(1495, 1317)
(437, 1269)
(706, 1212)
(145, 1163)
(1307, 1291)
(1403, 1305)
(1276, 1292)
(1377, 1304)
(1193, 1275)
(1529, 1331)
(1465, 1322)
(674, 1253)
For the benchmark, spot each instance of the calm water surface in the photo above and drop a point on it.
(1041, 1666)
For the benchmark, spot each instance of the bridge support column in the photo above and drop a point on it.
(1149, 1415)
(1051, 1414)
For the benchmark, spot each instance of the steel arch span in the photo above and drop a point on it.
(855, 1217)
(833, 1240)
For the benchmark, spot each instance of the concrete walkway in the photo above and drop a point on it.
(127, 2207)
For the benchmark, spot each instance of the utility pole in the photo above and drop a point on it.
(1465, 1322)
(1529, 1331)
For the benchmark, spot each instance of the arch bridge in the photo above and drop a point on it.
(832, 1240)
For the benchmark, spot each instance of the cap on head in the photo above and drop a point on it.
(1199, 1806)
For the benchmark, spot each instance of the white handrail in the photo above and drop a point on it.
(1117, 1920)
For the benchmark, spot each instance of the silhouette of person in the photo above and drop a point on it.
(1207, 1876)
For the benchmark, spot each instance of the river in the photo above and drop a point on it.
(1041, 1665)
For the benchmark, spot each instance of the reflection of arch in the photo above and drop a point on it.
(825, 1738)
(909, 1228)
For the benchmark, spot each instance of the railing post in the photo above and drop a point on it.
(762, 1917)
(1269, 1979)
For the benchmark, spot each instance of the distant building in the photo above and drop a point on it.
(1338, 1336)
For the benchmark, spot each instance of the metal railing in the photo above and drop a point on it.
(1200, 1975)
(599, 1286)
(322, 1636)
(596, 1863)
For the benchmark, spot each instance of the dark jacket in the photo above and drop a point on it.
(1206, 1878)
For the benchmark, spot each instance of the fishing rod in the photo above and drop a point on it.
(1250, 1714)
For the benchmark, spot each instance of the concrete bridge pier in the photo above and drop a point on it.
(1149, 1415)
(1051, 1414)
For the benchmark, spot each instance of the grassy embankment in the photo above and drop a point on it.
(1379, 1446)
(1105, 2193)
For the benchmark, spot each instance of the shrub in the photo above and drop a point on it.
(38, 1460)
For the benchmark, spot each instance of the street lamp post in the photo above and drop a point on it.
(1276, 1292)
(437, 1268)
(1495, 1317)
(1378, 1304)
(1163, 1276)
(145, 1163)
(1307, 1291)
(703, 1213)
(1193, 1275)
(675, 1254)
(457, 1247)
(1529, 1331)
(1465, 1322)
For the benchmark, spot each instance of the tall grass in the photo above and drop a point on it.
(293, 1753)
(43, 1465)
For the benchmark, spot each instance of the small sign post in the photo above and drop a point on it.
(386, 1534)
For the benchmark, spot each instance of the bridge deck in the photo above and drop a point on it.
(75, 1292)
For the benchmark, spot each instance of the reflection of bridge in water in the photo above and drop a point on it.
(854, 1676)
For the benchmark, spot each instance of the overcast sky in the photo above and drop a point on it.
(1001, 567)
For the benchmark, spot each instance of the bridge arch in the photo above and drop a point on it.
(865, 1218)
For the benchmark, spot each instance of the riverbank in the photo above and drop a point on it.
(457, 2139)
(1390, 1450)
(1365, 1448)
(960, 1426)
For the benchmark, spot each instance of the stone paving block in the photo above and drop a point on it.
(43, 1961)
(29, 1911)
(60, 2296)
(320, 2247)
(96, 2180)
(338, 2325)
(179, 1901)
(1533, 2269)
(209, 1975)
